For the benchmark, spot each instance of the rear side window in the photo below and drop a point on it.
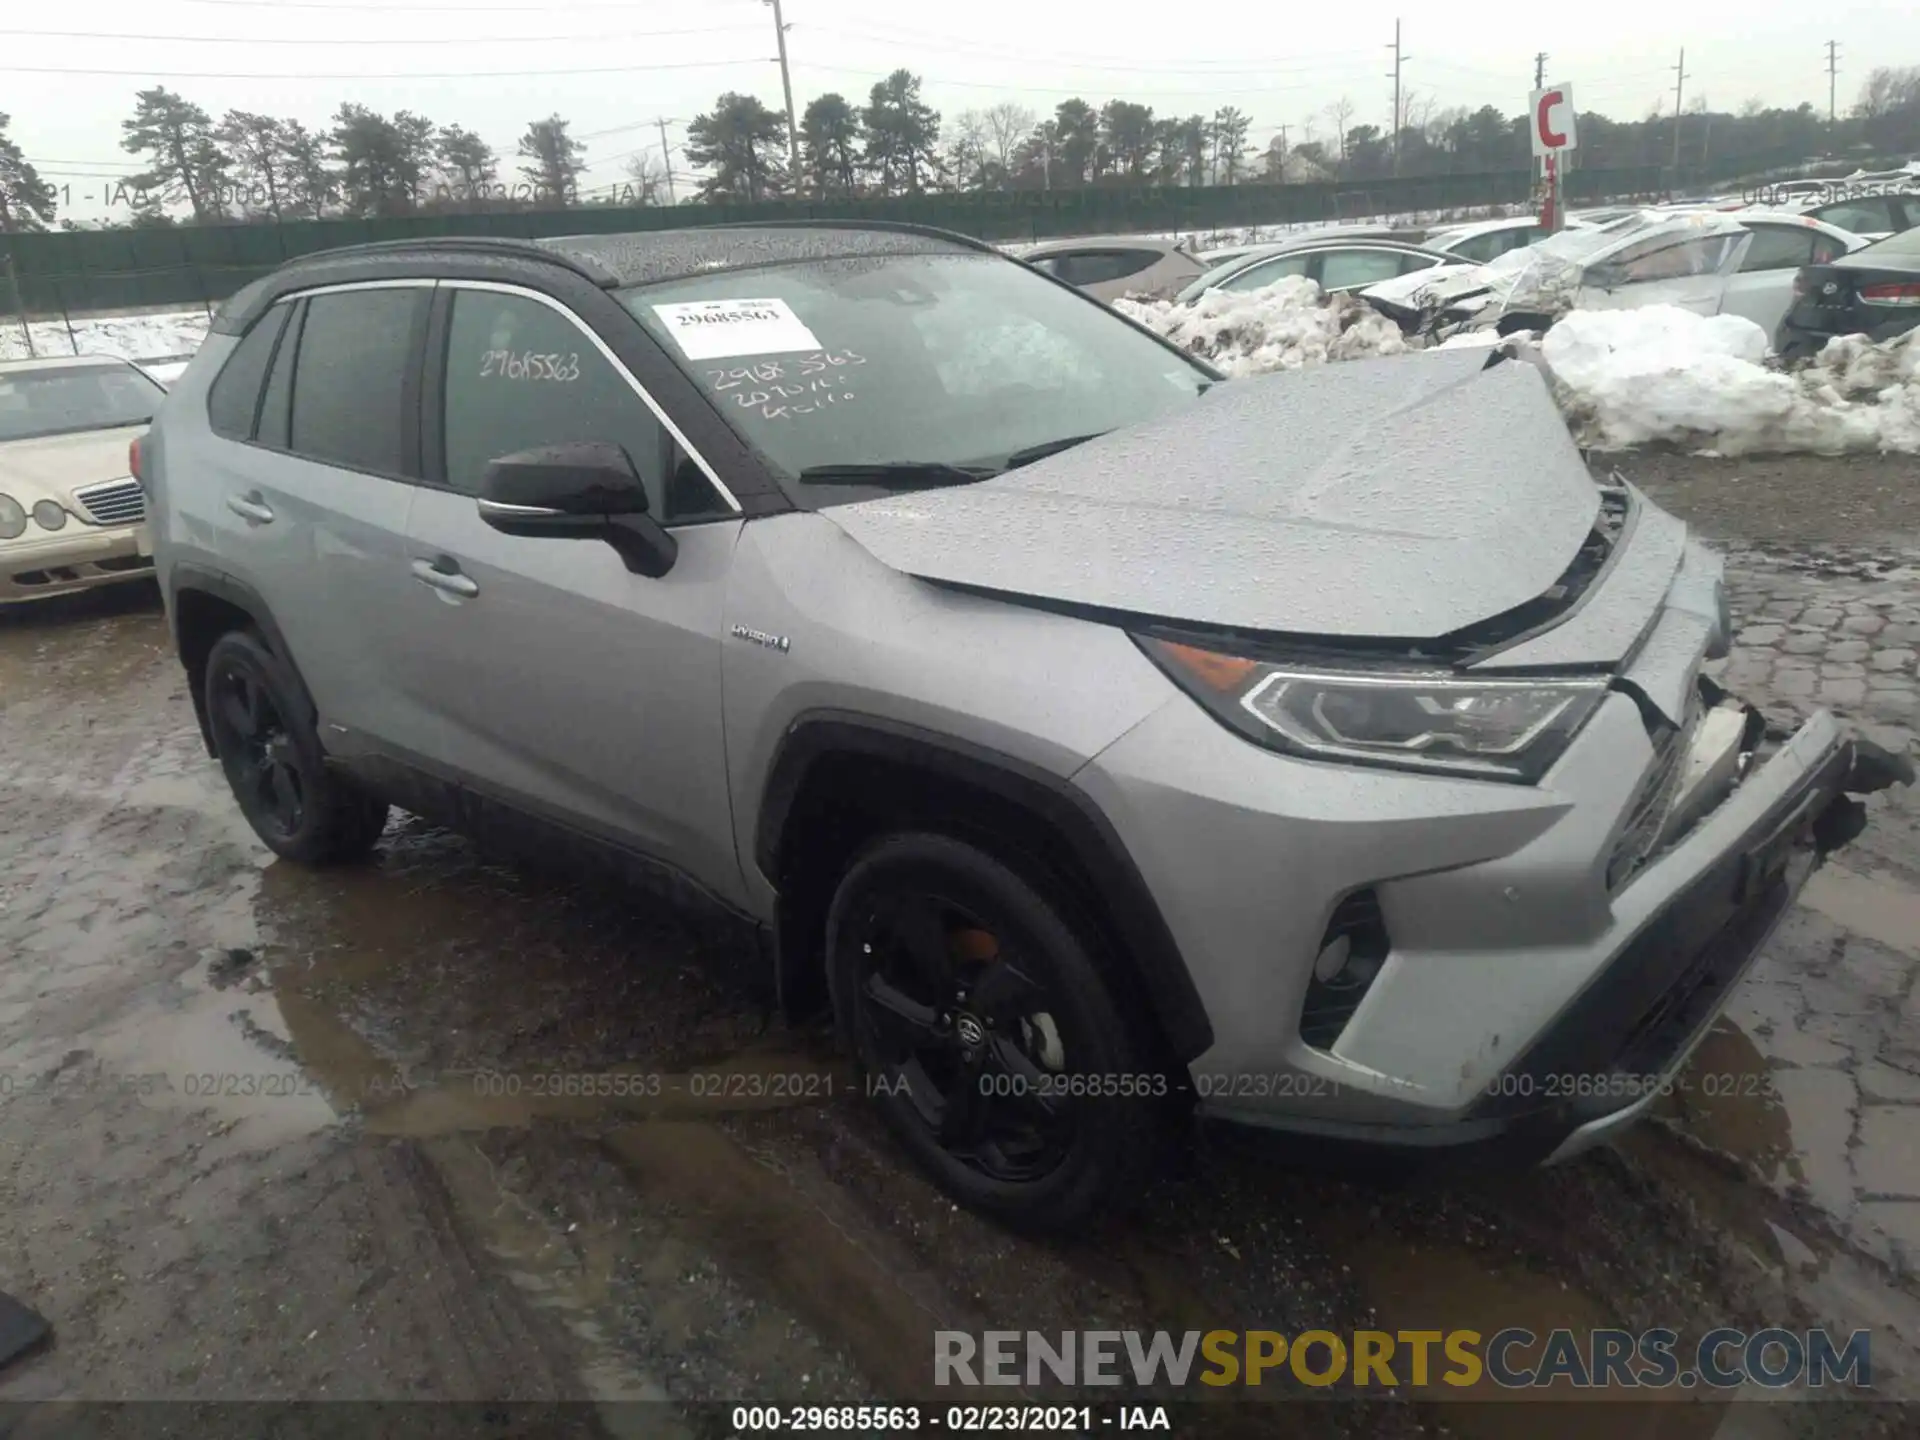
(1097, 267)
(1779, 247)
(1867, 214)
(352, 381)
(235, 396)
(1342, 268)
(521, 375)
(1270, 272)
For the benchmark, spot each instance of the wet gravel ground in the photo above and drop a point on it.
(437, 1128)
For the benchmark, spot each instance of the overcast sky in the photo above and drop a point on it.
(613, 68)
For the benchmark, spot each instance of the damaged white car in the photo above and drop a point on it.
(1709, 262)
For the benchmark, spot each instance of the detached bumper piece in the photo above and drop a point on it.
(1637, 1022)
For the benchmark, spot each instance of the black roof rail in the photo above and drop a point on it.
(514, 245)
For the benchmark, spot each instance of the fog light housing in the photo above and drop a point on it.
(1352, 953)
(48, 515)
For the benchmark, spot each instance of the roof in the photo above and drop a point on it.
(59, 362)
(643, 257)
(635, 258)
(1107, 242)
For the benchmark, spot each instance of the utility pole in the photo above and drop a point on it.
(666, 159)
(1282, 176)
(1540, 70)
(1395, 77)
(786, 84)
(1833, 78)
(1679, 81)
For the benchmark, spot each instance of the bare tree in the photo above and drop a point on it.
(1340, 112)
(649, 176)
(1008, 124)
(968, 153)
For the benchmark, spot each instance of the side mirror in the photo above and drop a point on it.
(586, 490)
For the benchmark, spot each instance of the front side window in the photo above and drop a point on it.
(1669, 257)
(350, 386)
(1481, 248)
(1779, 247)
(959, 360)
(520, 375)
(66, 399)
(1258, 277)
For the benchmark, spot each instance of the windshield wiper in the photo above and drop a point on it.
(897, 474)
(1046, 448)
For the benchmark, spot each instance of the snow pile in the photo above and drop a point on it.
(1282, 327)
(131, 337)
(1661, 374)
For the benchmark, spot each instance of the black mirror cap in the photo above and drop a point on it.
(581, 477)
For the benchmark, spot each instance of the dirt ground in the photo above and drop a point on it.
(274, 1134)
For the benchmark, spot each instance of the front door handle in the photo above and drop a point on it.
(251, 508)
(443, 574)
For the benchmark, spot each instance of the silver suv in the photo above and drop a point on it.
(1325, 751)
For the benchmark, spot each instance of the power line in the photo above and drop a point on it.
(1078, 90)
(1292, 65)
(363, 40)
(411, 75)
(452, 11)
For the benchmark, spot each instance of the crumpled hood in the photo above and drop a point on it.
(53, 466)
(1401, 498)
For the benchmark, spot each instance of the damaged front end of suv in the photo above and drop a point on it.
(1459, 840)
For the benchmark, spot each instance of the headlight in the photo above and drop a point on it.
(13, 520)
(1412, 720)
(48, 515)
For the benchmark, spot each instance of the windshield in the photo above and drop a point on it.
(63, 399)
(954, 360)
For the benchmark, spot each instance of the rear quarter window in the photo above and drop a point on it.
(234, 399)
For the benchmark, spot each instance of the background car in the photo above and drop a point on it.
(1334, 265)
(70, 511)
(1109, 269)
(1873, 292)
(1706, 261)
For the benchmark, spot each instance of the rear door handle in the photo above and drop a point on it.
(437, 574)
(251, 508)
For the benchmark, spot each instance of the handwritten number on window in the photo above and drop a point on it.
(528, 365)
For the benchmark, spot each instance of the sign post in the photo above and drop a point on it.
(1554, 136)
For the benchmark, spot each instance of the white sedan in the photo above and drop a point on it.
(1706, 261)
(70, 509)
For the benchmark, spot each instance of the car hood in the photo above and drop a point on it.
(1404, 498)
(53, 466)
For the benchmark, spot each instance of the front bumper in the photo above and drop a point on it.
(81, 556)
(1525, 1004)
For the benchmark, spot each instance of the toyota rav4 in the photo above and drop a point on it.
(1326, 751)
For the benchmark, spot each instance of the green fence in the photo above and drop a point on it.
(73, 271)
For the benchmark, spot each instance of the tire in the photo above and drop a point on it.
(273, 760)
(994, 1110)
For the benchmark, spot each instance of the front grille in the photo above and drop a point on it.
(1652, 805)
(118, 502)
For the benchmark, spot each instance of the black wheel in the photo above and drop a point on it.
(273, 760)
(985, 1034)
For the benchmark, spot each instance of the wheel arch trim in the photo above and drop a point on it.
(1143, 938)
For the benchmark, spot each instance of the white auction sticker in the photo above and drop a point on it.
(716, 329)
